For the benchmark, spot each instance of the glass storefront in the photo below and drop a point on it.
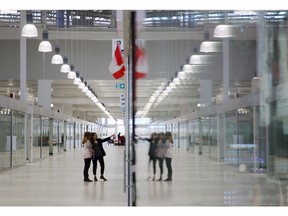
(12, 138)
(36, 137)
(45, 136)
(239, 144)
(5, 138)
(18, 138)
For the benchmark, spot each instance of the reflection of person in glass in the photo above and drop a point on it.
(97, 145)
(153, 140)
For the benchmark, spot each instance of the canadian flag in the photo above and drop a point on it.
(141, 62)
(117, 67)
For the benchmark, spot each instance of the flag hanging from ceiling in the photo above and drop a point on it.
(117, 66)
(141, 60)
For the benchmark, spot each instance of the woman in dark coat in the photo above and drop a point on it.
(97, 145)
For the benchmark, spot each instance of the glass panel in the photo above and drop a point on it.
(213, 150)
(45, 137)
(205, 135)
(70, 136)
(239, 143)
(61, 136)
(56, 136)
(183, 136)
(78, 136)
(18, 139)
(36, 137)
(278, 139)
(5, 132)
(175, 134)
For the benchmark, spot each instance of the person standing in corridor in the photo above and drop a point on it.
(97, 145)
(87, 155)
(160, 151)
(168, 154)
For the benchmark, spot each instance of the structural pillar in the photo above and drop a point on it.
(226, 69)
(44, 93)
(23, 59)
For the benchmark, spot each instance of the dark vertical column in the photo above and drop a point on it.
(74, 135)
(41, 137)
(51, 136)
(133, 53)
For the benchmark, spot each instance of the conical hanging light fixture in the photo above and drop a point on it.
(81, 85)
(45, 45)
(71, 74)
(85, 89)
(211, 46)
(29, 29)
(223, 31)
(208, 46)
(57, 58)
(65, 68)
(77, 80)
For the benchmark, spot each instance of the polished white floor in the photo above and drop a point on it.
(197, 181)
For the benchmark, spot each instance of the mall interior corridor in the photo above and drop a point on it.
(197, 181)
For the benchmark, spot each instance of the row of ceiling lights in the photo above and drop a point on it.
(188, 70)
(29, 30)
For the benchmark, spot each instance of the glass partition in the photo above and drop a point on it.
(5, 139)
(213, 145)
(18, 138)
(78, 138)
(45, 136)
(183, 136)
(36, 137)
(278, 139)
(175, 132)
(70, 135)
(239, 144)
(61, 136)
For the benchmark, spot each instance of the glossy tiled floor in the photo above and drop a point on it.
(197, 181)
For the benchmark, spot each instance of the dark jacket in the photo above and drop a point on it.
(152, 147)
(98, 147)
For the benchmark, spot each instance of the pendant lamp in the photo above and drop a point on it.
(65, 68)
(223, 31)
(211, 46)
(57, 58)
(81, 85)
(29, 29)
(71, 74)
(45, 45)
(77, 80)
